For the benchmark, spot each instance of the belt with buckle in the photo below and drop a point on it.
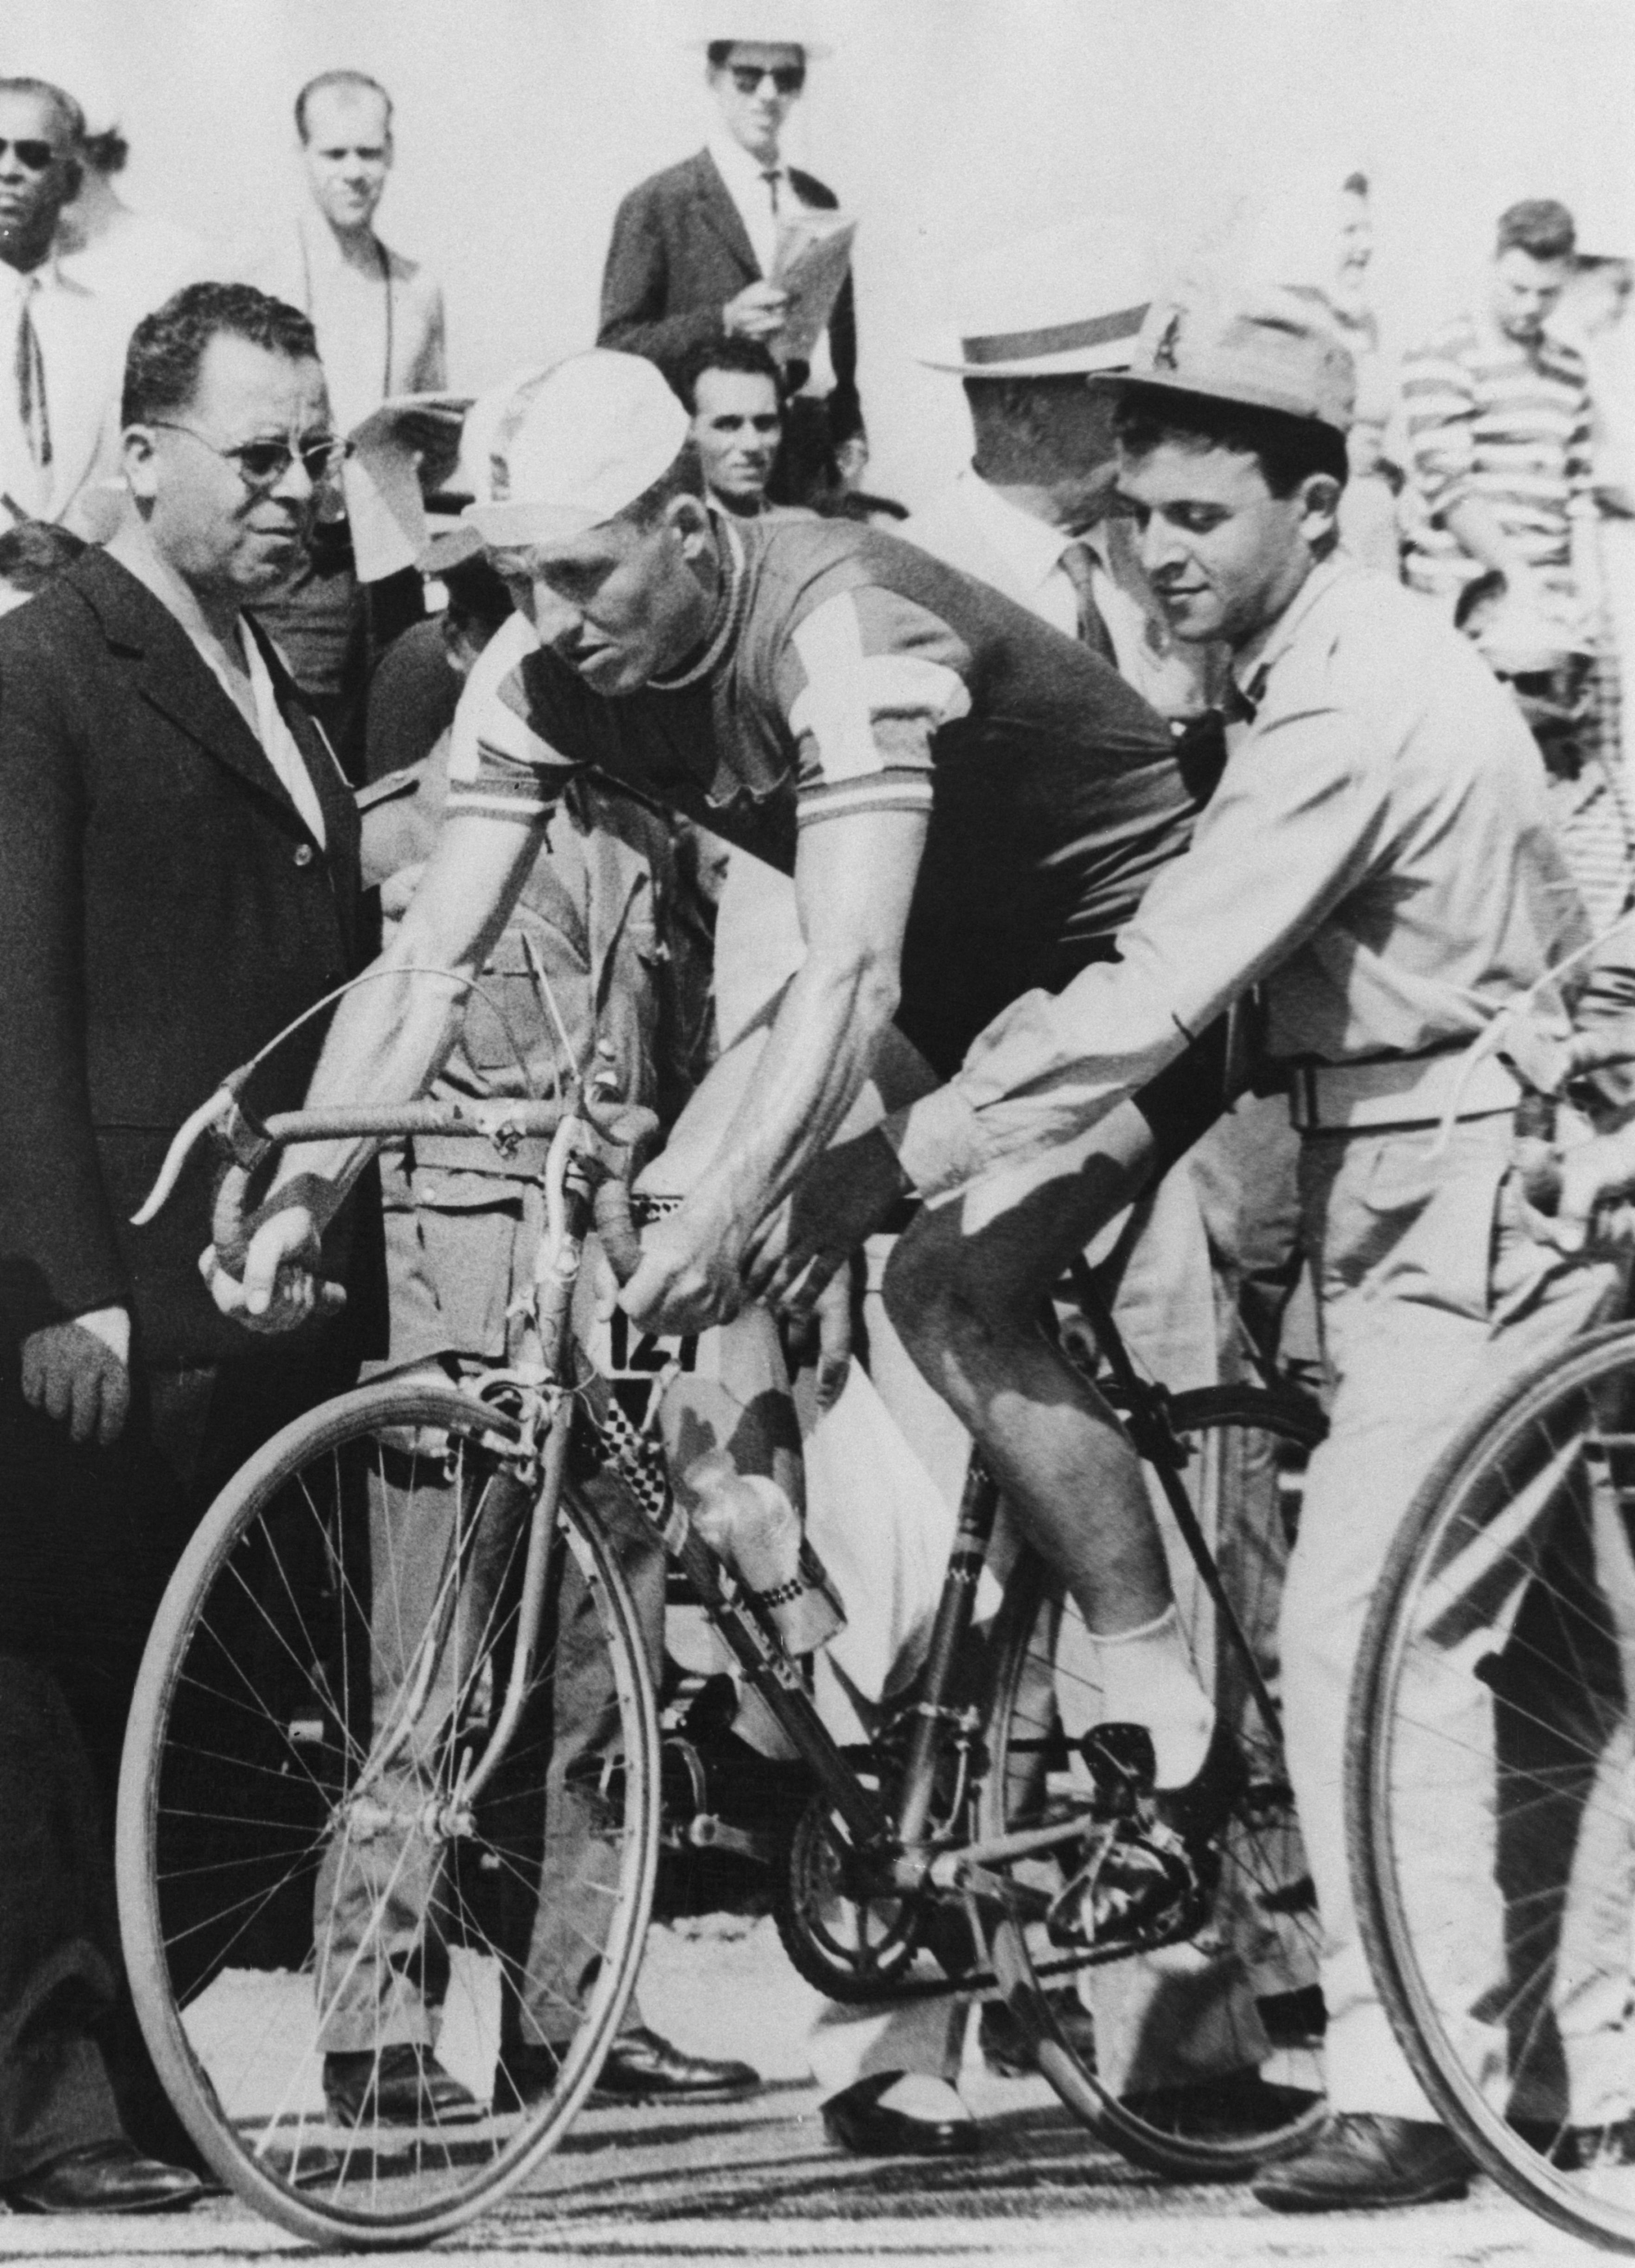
(1398, 1091)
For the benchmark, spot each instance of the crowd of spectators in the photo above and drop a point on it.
(219, 728)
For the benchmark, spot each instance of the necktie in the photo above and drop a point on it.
(1093, 631)
(31, 380)
(1236, 706)
(1201, 744)
(770, 178)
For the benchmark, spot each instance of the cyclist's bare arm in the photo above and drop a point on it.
(854, 878)
(387, 1044)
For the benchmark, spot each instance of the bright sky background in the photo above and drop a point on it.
(949, 125)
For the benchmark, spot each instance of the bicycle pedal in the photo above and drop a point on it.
(1122, 1768)
(1143, 1888)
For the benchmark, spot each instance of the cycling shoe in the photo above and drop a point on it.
(1152, 1877)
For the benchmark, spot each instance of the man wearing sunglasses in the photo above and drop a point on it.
(693, 247)
(58, 350)
(178, 882)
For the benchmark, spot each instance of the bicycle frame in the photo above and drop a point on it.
(901, 1851)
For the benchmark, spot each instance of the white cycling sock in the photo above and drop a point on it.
(1148, 1678)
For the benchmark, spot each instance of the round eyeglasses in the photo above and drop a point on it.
(263, 465)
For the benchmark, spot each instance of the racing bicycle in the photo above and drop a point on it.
(344, 1780)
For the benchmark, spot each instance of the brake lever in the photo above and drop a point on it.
(224, 1115)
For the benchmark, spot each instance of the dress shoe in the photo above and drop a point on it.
(858, 2120)
(1360, 2162)
(399, 2085)
(524, 2076)
(1010, 2050)
(104, 2177)
(643, 2068)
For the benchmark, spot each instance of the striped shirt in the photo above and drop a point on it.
(1502, 420)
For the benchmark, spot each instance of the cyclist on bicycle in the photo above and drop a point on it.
(1378, 856)
(970, 803)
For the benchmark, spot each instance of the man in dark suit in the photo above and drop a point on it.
(178, 881)
(693, 247)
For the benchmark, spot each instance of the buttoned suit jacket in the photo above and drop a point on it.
(680, 252)
(164, 912)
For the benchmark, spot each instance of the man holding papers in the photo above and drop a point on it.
(732, 242)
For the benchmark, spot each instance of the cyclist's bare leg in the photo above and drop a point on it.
(965, 1289)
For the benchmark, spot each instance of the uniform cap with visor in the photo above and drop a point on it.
(571, 447)
(1270, 346)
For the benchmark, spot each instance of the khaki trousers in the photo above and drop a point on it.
(1430, 1297)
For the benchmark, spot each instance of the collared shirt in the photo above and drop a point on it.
(27, 483)
(81, 365)
(1378, 856)
(278, 743)
(1174, 679)
(747, 185)
(1502, 420)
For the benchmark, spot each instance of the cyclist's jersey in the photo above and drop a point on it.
(850, 673)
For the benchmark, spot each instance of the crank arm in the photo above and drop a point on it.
(947, 1870)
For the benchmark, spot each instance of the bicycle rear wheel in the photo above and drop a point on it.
(1244, 1991)
(1493, 1724)
(298, 1875)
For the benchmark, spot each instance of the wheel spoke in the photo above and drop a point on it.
(302, 1900)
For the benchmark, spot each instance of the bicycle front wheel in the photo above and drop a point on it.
(1240, 1999)
(313, 1913)
(1493, 1787)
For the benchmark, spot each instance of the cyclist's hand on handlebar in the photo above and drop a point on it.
(689, 1276)
(1593, 1206)
(281, 1288)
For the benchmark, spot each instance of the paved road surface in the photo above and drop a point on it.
(758, 2182)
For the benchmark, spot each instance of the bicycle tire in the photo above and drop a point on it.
(1264, 1924)
(1527, 1683)
(249, 1734)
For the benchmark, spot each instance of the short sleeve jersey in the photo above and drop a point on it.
(846, 667)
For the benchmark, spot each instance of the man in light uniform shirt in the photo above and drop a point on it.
(1379, 857)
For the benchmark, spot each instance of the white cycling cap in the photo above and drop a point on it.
(572, 446)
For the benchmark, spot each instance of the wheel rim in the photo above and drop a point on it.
(1501, 1657)
(290, 1890)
